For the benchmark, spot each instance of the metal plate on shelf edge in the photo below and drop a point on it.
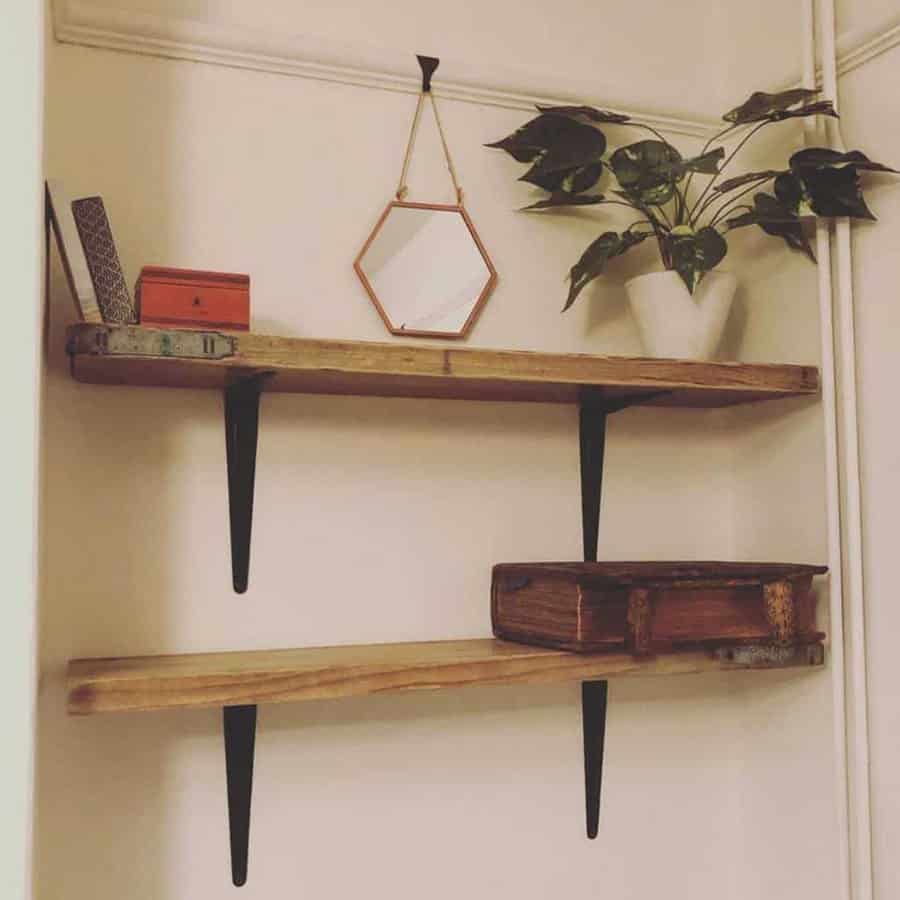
(772, 656)
(133, 341)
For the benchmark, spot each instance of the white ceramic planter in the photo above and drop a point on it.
(672, 322)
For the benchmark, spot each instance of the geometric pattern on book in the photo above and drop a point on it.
(113, 296)
(71, 253)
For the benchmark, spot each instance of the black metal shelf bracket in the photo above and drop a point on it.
(592, 413)
(241, 432)
(593, 716)
(239, 727)
(594, 407)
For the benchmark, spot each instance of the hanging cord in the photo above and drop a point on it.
(429, 64)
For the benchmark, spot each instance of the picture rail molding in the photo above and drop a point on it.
(92, 24)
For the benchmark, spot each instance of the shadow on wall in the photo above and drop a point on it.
(732, 337)
(104, 791)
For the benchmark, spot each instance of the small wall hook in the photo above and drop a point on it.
(428, 65)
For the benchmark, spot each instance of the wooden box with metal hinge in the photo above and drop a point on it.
(766, 609)
(186, 298)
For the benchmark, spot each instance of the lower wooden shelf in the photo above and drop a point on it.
(321, 673)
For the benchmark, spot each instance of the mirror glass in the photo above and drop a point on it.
(425, 270)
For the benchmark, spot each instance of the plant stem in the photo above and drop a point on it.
(681, 207)
(649, 128)
(706, 147)
(724, 165)
(728, 208)
(746, 206)
(658, 229)
(710, 200)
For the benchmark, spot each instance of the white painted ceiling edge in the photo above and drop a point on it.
(94, 24)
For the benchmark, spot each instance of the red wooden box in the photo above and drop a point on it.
(186, 298)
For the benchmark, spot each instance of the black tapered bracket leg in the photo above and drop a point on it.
(592, 439)
(241, 431)
(593, 714)
(594, 408)
(239, 725)
(593, 411)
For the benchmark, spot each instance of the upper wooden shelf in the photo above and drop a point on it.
(110, 354)
(321, 673)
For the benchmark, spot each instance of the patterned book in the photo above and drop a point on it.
(59, 207)
(112, 292)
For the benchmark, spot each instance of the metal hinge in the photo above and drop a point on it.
(132, 341)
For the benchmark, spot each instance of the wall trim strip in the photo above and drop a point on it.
(88, 23)
(91, 24)
(859, 47)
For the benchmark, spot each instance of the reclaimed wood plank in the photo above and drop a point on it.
(302, 365)
(322, 673)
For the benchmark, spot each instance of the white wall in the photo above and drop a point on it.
(21, 98)
(786, 772)
(375, 520)
(379, 520)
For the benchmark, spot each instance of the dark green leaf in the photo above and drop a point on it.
(573, 181)
(594, 259)
(564, 198)
(582, 113)
(822, 157)
(760, 105)
(576, 147)
(536, 137)
(729, 184)
(646, 171)
(775, 219)
(820, 108)
(836, 192)
(789, 191)
(652, 195)
(583, 179)
(707, 164)
(767, 210)
(549, 181)
(694, 252)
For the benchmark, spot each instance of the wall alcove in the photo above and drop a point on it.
(360, 488)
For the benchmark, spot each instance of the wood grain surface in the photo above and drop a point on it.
(300, 365)
(692, 573)
(319, 673)
(654, 607)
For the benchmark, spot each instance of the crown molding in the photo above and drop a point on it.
(89, 23)
(860, 46)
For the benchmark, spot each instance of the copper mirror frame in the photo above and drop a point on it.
(424, 266)
(386, 304)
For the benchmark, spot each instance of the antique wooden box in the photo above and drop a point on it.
(652, 607)
(186, 298)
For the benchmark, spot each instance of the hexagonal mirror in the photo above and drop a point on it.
(426, 270)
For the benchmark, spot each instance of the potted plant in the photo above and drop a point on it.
(682, 310)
